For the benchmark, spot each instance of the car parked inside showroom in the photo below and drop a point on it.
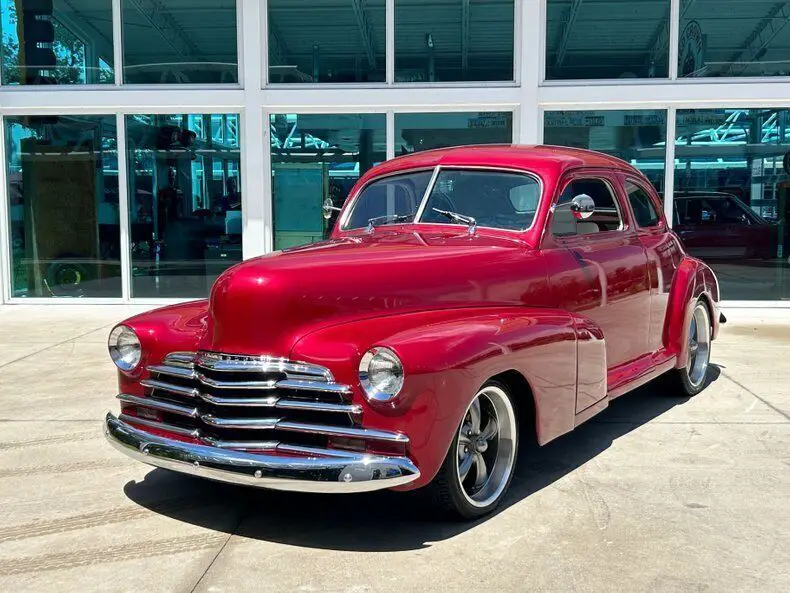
(468, 299)
(719, 226)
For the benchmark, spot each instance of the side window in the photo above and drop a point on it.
(605, 218)
(642, 205)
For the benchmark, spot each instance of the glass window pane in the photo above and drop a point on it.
(315, 157)
(391, 200)
(184, 202)
(601, 39)
(484, 196)
(453, 40)
(415, 132)
(63, 203)
(732, 197)
(62, 42)
(733, 38)
(642, 205)
(638, 137)
(183, 41)
(327, 41)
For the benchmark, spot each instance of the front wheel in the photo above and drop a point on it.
(477, 471)
(692, 377)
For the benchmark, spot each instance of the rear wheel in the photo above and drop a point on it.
(477, 471)
(692, 378)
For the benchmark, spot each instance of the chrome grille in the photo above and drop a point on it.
(253, 403)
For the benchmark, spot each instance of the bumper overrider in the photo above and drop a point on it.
(343, 472)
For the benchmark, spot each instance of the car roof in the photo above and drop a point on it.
(536, 158)
(713, 195)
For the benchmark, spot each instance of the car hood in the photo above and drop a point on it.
(265, 305)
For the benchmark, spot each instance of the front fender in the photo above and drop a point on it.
(693, 280)
(447, 356)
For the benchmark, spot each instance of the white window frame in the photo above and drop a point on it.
(528, 96)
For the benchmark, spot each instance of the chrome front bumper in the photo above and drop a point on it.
(347, 472)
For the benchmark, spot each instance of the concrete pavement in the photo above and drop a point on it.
(655, 494)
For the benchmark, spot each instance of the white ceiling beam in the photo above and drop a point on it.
(759, 39)
(565, 37)
(368, 44)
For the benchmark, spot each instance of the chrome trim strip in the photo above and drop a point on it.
(315, 451)
(156, 404)
(271, 384)
(342, 431)
(241, 402)
(314, 406)
(262, 402)
(263, 364)
(241, 423)
(189, 432)
(177, 389)
(173, 371)
(333, 474)
(302, 385)
(181, 359)
(242, 445)
(304, 427)
(295, 384)
(426, 195)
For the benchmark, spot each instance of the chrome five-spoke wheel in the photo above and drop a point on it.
(698, 345)
(478, 467)
(692, 374)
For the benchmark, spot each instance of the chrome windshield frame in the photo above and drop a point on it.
(417, 220)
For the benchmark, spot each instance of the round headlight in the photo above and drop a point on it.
(381, 374)
(125, 349)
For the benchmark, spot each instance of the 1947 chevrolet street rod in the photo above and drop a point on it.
(468, 298)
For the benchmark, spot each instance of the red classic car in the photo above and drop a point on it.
(468, 299)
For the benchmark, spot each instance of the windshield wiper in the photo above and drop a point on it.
(462, 218)
(389, 218)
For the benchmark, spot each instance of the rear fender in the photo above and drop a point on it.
(693, 280)
(447, 356)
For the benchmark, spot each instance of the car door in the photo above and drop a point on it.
(661, 248)
(598, 268)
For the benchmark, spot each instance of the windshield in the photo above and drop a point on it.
(493, 199)
(390, 200)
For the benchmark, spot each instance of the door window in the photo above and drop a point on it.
(644, 211)
(606, 217)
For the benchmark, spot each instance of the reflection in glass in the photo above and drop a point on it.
(733, 38)
(489, 198)
(638, 137)
(182, 42)
(314, 157)
(415, 132)
(732, 197)
(327, 41)
(184, 201)
(63, 205)
(61, 42)
(453, 40)
(600, 39)
(391, 200)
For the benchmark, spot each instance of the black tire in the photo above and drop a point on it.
(447, 492)
(65, 277)
(694, 376)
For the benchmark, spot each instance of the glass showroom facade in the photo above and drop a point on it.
(150, 144)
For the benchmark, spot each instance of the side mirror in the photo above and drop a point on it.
(582, 206)
(328, 208)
